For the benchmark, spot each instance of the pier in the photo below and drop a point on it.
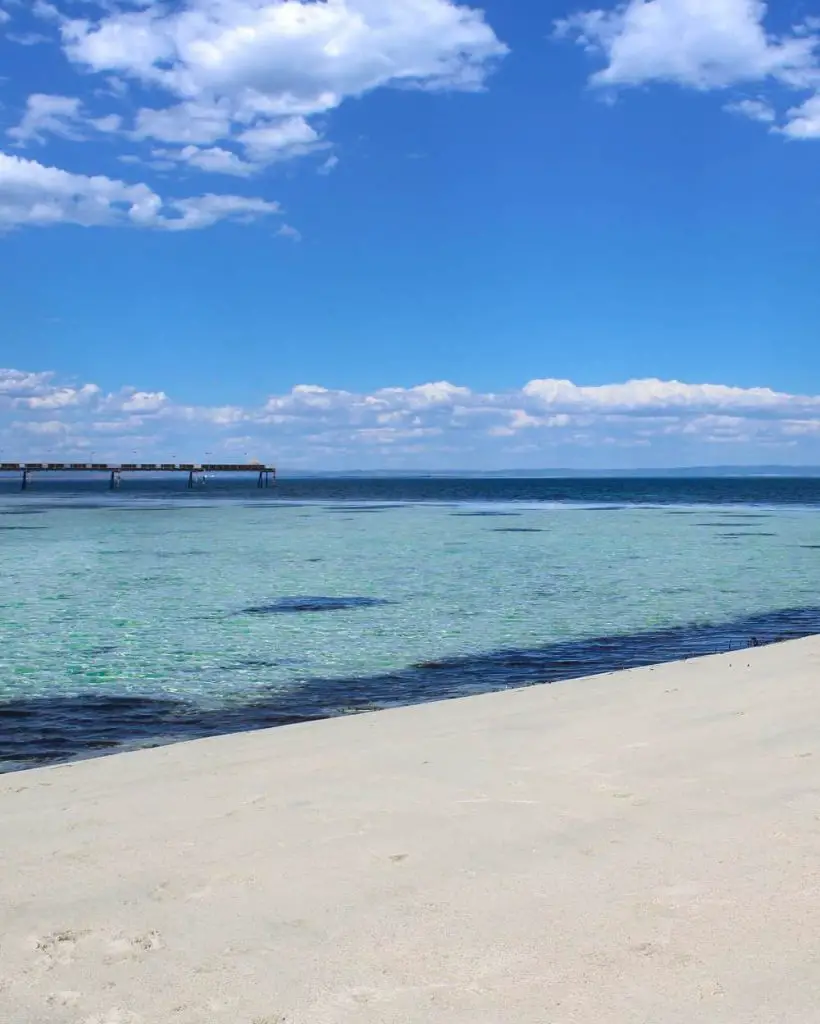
(197, 472)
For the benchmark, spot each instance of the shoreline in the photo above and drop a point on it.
(637, 846)
(61, 729)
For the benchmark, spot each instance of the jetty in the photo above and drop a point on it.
(196, 472)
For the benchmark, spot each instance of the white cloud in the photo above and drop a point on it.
(235, 86)
(253, 71)
(297, 57)
(704, 45)
(546, 421)
(62, 116)
(195, 123)
(329, 165)
(48, 115)
(144, 401)
(755, 110)
(423, 395)
(804, 120)
(61, 397)
(21, 383)
(212, 159)
(290, 137)
(47, 428)
(28, 38)
(46, 11)
(32, 194)
(204, 211)
(653, 394)
(288, 231)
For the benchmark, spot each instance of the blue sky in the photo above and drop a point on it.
(408, 233)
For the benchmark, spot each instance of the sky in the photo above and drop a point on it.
(411, 234)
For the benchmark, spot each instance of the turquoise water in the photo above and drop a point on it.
(179, 599)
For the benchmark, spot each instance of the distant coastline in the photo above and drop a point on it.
(681, 472)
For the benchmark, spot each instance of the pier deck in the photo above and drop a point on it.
(195, 471)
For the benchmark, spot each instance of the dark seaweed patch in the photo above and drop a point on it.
(291, 605)
(485, 514)
(719, 526)
(359, 508)
(182, 553)
(246, 663)
(146, 508)
(748, 533)
(42, 730)
(274, 504)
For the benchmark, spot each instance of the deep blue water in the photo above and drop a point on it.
(594, 491)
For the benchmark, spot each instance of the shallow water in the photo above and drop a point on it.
(233, 610)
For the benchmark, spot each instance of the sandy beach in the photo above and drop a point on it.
(636, 848)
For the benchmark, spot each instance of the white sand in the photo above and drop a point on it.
(639, 847)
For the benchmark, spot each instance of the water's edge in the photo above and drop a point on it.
(49, 730)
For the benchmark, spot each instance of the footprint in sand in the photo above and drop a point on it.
(125, 947)
(57, 947)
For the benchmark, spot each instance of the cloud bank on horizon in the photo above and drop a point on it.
(546, 423)
(233, 87)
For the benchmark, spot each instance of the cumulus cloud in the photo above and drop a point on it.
(754, 109)
(248, 74)
(62, 116)
(804, 120)
(281, 140)
(439, 424)
(229, 87)
(704, 44)
(23, 384)
(212, 159)
(656, 395)
(32, 194)
(48, 115)
(287, 57)
(61, 397)
(142, 401)
(196, 123)
(699, 44)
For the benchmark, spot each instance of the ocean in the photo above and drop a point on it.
(154, 614)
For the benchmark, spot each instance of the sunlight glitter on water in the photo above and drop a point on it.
(170, 598)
